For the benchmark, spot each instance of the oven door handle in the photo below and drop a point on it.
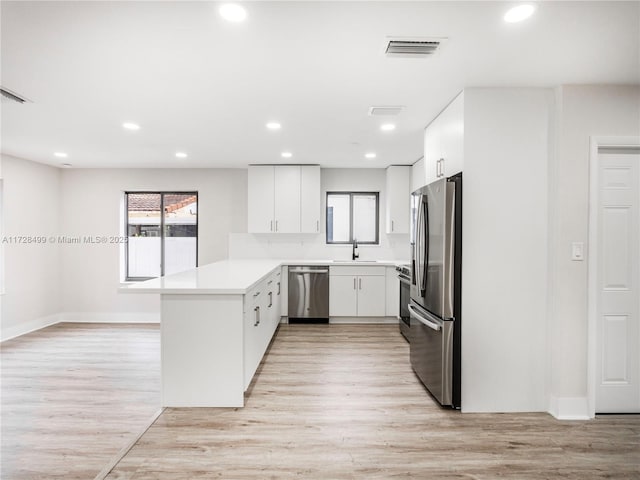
(425, 321)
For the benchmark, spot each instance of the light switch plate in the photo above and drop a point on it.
(577, 251)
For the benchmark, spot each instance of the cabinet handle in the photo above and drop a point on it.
(256, 294)
(276, 225)
(269, 282)
(257, 316)
(271, 226)
(354, 283)
(392, 226)
(317, 225)
(278, 288)
(270, 299)
(359, 284)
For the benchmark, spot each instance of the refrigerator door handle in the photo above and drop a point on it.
(425, 321)
(423, 246)
(427, 244)
(417, 246)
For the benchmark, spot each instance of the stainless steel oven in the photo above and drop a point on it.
(404, 275)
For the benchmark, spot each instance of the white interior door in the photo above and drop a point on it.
(618, 279)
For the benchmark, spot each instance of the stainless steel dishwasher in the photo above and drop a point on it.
(308, 293)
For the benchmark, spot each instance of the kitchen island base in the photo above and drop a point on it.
(202, 351)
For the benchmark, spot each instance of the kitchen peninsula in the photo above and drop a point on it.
(217, 321)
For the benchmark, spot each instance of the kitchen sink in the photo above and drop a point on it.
(354, 261)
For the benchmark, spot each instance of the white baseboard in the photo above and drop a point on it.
(23, 328)
(77, 317)
(569, 408)
(358, 320)
(107, 317)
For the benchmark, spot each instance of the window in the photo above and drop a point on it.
(352, 216)
(162, 231)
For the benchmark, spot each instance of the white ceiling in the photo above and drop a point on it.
(198, 84)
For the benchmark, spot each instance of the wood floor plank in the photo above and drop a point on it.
(341, 402)
(72, 395)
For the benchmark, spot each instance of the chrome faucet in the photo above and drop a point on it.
(354, 252)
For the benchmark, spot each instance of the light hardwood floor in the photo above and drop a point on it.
(72, 395)
(341, 402)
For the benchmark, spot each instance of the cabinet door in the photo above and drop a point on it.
(261, 199)
(432, 151)
(284, 291)
(310, 199)
(453, 136)
(343, 298)
(371, 296)
(252, 353)
(273, 304)
(287, 199)
(398, 199)
(417, 175)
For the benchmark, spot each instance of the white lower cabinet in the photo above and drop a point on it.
(371, 296)
(343, 296)
(284, 291)
(261, 318)
(357, 291)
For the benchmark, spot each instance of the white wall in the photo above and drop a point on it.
(313, 246)
(504, 261)
(92, 205)
(583, 111)
(31, 205)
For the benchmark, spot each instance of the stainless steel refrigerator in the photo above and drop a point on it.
(436, 323)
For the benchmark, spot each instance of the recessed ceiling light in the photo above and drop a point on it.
(387, 127)
(181, 155)
(370, 155)
(273, 126)
(232, 12)
(131, 126)
(60, 155)
(66, 165)
(519, 13)
(286, 154)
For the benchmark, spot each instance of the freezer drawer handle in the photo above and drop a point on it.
(424, 321)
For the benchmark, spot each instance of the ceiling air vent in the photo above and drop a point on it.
(387, 110)
(412, 47)
(8, 95)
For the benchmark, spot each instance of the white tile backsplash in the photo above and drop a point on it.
(311, 246)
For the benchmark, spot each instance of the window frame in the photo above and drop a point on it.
(351, 195)
(162, 193)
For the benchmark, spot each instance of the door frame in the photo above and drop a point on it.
(596, 142)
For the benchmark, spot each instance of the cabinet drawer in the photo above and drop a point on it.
(357, 270)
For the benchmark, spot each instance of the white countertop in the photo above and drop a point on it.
(230, 277)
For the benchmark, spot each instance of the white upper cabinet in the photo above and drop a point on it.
(453, 137)
(310, 199)
(284, 199)
(417, 175)
(432, 151)
(261, 199)
(287, 199)
(444, 142)
(398, 198)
